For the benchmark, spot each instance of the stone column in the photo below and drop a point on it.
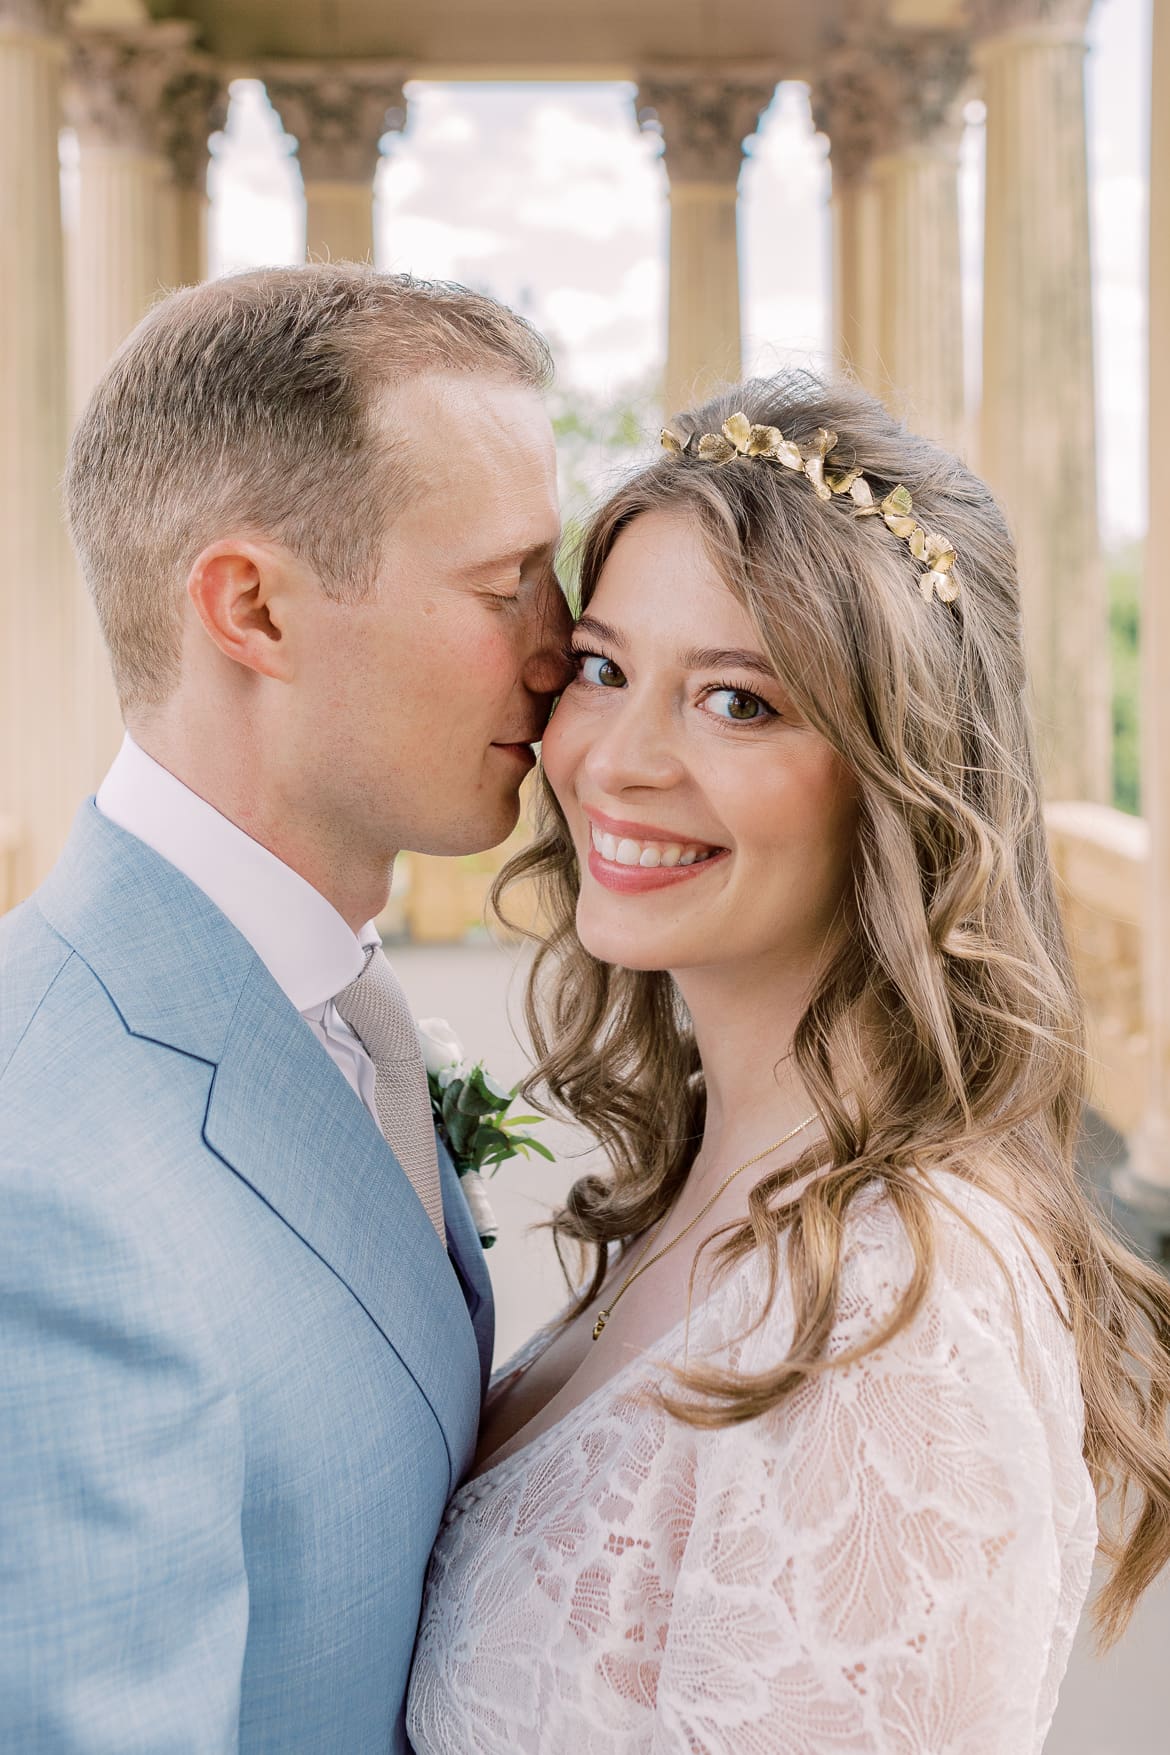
(116, 100)
(705, 122)
(921, 305)
(194, 107)
(338, 116)
(1038, 437)
(37, 714)
(121, 260)
(889, 104)
(857, 269)
(1146, 1180)
(849, 103)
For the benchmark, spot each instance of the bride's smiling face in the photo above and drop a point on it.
(712, 824)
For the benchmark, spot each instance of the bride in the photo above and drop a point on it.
(812, 1462)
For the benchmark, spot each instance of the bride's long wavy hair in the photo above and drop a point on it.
(956, 946)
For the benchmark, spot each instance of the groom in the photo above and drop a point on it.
(245, 1322)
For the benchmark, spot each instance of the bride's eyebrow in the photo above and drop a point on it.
(727, 658)
(697, 658)
(589, 624)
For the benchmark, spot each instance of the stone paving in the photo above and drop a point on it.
(1110, 1706)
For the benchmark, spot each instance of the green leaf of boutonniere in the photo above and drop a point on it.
(530, 1145)
(474, 1099)
(471, 1113)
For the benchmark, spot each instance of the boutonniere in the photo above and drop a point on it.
(470, 1110)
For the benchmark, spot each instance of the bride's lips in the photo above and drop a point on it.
(636, 880)
(674, 858)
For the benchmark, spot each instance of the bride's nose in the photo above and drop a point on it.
(638, 747)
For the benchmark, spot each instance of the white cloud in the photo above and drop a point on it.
(1119, 207)
(1118, 87)
(399, 179)
(441, 119)
(606, 341)
(257, 202)
(785, 238)
(435, 248)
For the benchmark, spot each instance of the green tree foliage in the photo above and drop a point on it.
(600, 441)
(1123, 572)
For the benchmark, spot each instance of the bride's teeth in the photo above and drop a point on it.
(650, 855)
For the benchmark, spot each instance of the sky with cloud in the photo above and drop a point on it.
(549, 197)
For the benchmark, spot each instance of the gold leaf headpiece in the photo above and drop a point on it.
(813, 459)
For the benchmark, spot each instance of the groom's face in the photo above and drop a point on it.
(430, 693)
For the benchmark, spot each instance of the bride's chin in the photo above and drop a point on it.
(620, 949)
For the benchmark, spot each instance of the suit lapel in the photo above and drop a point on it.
(466, 1253)
(280, 1114)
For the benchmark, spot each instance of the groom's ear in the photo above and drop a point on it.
(240, 592)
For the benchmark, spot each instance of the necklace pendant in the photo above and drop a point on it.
(602, 1319)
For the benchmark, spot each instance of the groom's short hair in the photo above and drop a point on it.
(244, 405)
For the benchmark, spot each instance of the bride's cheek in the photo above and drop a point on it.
(560, 747)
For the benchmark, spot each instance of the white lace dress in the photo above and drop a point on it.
(894, 1559)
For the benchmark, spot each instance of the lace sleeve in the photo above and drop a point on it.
(878, 1564)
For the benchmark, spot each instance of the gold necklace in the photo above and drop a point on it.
(603, 1316)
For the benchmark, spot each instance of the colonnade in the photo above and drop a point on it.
(893, 114)
(892, 111)
(144, 101)
(38, 778)
(1146, 1180)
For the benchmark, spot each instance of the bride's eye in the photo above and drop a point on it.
(739, 706)
(593, 668)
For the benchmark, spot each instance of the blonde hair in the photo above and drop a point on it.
(245, 405)
(978, 1065)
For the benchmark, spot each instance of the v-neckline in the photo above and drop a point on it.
(660, 1349)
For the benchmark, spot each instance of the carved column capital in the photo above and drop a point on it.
(117, 85)
(705, 121)
(337, 114)
(852, 101)
(195, 106)
(34, 18)
(1064, 18)
(889, 92)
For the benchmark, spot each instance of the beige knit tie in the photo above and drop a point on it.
(375, 1008)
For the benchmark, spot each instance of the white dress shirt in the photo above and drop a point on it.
(307, 948)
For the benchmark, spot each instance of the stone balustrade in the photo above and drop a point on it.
(437, 901)
(1101, 856)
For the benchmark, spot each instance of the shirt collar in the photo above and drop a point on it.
(308, 949)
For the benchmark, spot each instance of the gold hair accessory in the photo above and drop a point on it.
(813, 460)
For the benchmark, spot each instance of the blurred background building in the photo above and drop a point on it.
(941, 150)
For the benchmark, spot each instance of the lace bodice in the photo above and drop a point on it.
(894, 1560)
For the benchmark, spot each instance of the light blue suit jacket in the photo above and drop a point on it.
(239, 1374)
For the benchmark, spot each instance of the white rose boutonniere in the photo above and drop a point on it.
(470, 1110)
(440, 1045)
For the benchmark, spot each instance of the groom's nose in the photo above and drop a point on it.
(547, 669)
